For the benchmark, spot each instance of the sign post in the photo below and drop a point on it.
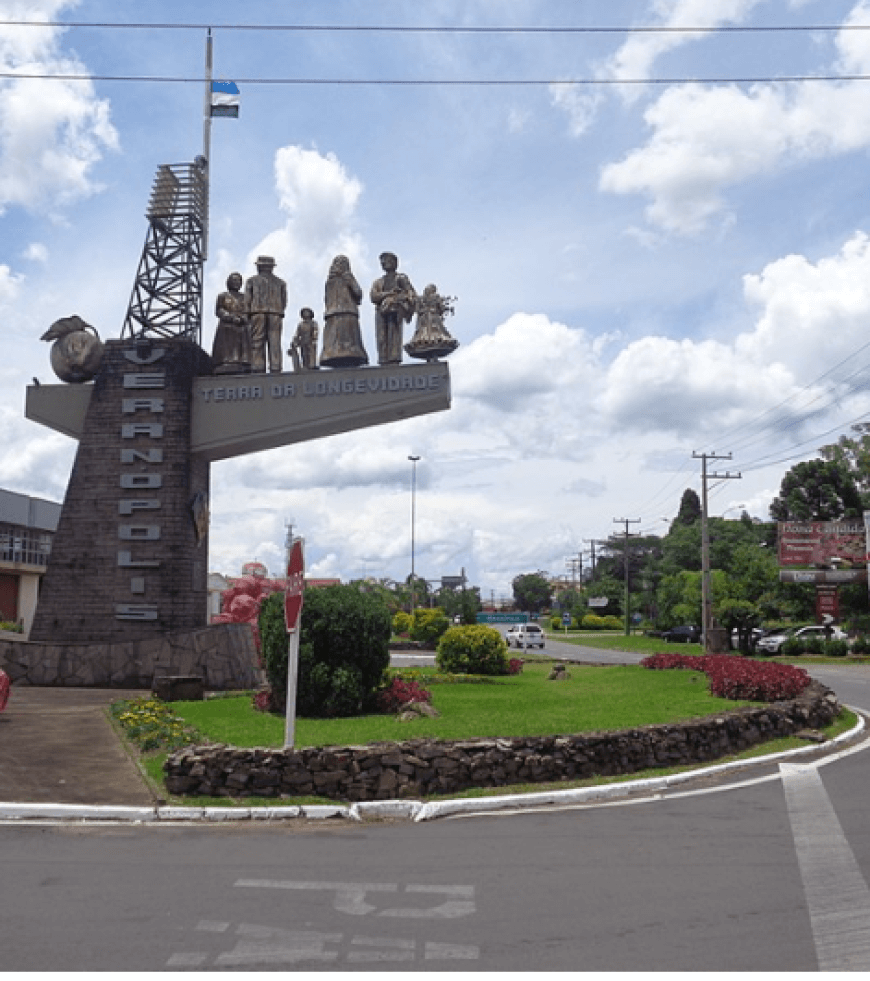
(566, 621)
(292, 620)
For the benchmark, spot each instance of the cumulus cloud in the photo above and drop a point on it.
(318, 198)
(36, 252)
(52, 131)
(636, 57)
(546, 425)
(706, 139)
(808, 314)
(10, 283)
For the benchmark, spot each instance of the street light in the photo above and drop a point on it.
(413, 460)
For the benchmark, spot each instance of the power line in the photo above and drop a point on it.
(493, 82)
(445, 29)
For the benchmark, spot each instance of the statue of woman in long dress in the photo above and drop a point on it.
(342, 340)
(231, 351)
(431, 338)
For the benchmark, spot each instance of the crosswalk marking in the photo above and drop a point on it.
(837, 895)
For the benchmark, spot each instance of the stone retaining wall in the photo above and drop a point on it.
(223, 655)
(423, 767)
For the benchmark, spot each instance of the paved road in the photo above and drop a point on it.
(555, 648)
(768, 876)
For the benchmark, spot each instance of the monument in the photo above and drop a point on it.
(152, 410)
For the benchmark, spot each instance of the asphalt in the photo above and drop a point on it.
(60, 759)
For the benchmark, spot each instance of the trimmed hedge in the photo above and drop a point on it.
(472, 650)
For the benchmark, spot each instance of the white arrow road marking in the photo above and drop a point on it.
(397, 950)
(267, 945)
(350, 897)
(837, 895)
(262, 945)
(448, 910)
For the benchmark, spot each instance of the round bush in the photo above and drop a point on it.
(429, 625)
(861, 647)
(472, 650)
(343, 650)
(836, 648)
(814, 647)
(401, 623)
(792, 648)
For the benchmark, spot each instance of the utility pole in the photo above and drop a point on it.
(706, 598)
(626, 522)
(592, 542)
(575, 564)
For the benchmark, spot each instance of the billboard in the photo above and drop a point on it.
(822, 551)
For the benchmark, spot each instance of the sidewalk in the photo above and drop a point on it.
(58, 747)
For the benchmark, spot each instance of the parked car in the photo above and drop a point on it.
(772, 643)
(756, 634)
(682, 635)
(525, 635)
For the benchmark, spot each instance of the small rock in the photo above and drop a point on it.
(812, 735)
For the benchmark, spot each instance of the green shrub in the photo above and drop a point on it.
(835, 648)
(429, 625)
(343, 651)
(814, 647)
(592, 622)
(792, 648)
(861, 647)
(401, 623)
(611, 622)
(555, 623)
(472, 650)
(11, 626)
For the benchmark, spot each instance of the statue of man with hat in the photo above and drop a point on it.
(267, 300)
(395, 301)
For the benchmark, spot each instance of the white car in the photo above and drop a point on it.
(773, 642)
(525, 635)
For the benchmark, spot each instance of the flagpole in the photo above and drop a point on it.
(206, 139)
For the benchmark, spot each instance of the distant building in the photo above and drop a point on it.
(27, 525)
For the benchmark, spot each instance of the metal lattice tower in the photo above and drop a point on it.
(167, 295)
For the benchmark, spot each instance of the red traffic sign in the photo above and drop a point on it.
(295, 586)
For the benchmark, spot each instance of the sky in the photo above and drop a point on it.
(659, 241)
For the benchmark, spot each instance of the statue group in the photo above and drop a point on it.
(250, 322)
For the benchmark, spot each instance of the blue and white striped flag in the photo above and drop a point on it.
(225, 99)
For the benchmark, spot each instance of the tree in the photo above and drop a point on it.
(853, 454)
(817, 490)
(742, 616)
(690, 508)
(532, 591)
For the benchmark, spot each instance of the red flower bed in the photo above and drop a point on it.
(515, 665)
(737, 678)
(399, 693)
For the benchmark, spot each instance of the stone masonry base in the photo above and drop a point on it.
(223, 655)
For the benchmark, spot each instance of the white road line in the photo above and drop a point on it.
(837, 895)
(350, 897)
(397, 950)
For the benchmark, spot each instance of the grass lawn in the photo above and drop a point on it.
(526, 704)
(595, 698)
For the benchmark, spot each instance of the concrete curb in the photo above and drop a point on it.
(382, 810)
